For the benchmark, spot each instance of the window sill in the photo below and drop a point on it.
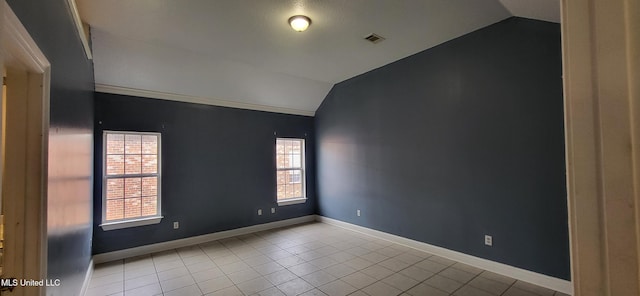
(292, 201)
(130, 223)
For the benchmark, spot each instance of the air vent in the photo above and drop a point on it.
(374, 38)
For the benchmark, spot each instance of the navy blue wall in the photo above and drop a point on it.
(218, 167)
(458, 141)
(70, 140)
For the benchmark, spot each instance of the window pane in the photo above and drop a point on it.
(289, 191)
(115, 188)
(149, 205)
(131, 154)
(115, 164)
(115, 209)
(297, 190)
(295, 146)
(115, 144)
(279, 146)
(281, 177)
(133, 144)
(281, 161)
(132, 187)
(133, 164)
(287, 147)
(149, 164)
(149, 144)
(294, 176)
(150, 186)
(281, 191)
(295, 160)
(132, 207)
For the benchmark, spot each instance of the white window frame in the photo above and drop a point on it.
(302, 169)
(130, 222)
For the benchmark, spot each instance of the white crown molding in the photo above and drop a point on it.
(194, 240)
(19, 42)
(542, 280)
(80, 27)
(119, 90)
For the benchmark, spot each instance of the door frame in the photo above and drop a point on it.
(30, 224)
(601, 68)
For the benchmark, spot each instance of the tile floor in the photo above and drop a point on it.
(307, 259)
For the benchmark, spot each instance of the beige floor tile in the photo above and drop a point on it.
(417, 273)
(401, 282)
(426, 290)
(432, 266)
(303, 269)
(319, 278)
(140, 281)
(381, 289)
(337, 288)
(315, 292)
(230, 291)
(487, 285)
(215, 284)
(377, 271)
(243, 276)
(176, 283)
(443, 283)
(457, 275)
(208, 274)
(268, 268)
(359, 280)
(471, 291)
(153, 289)
(280, 277)
(321, 260)
(254, 286)
(295, 287)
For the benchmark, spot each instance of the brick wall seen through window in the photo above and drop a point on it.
(131, 176)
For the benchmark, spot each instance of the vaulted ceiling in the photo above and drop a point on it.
(242, 53)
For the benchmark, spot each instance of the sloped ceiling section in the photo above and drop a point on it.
(244, 54)
(544, 10)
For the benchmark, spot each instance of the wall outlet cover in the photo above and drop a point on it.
(488, 240)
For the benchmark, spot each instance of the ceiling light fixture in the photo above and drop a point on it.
(299, 22)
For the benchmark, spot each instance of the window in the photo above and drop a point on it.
(131, 179)
(290, 171)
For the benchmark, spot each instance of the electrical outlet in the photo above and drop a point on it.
(488, 240)
(259, 212)
(273, 210)
(358, 213)
(176, 225)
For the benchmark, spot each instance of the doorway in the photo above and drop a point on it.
(23, 158)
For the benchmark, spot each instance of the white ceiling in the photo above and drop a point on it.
(243, 52)
(545, 10)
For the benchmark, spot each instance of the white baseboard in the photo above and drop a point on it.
(190, 241)
(542, 280)
(87, 278)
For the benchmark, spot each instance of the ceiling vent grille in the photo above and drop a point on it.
(374, 38)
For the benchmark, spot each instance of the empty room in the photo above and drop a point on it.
(320, 147)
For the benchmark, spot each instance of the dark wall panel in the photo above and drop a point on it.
(458, 141)
(70, 140)
(218, 167)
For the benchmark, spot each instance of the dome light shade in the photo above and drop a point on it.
(299, 22)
